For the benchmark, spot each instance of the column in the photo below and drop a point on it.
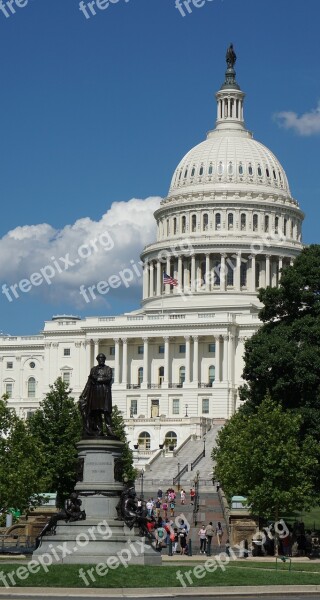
(145, 361)
(218, 359)
(168, 267)
(187, 339)
(267, 270)
(253, 273)
(186, 276)
(159, 288)
(208, 275)
(238, 273)
(166, 361)
(225, 359)
(116, 360)
(180, 272)
(223, 273)
(151, 290)
(96, 350)
(195, 378)
(145, 280)
(124, 360)
(193, 273)
(279, 268)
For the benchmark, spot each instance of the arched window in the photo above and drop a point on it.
(240, 169)
(250, 170)
(185, 173)
(170, 440)
(194, 223)
(174, 226)
(144, 440)
(243, 221)
(201, 170)
(193, 172)
(230, 168)
(267, 172)
(182, 375)
(218, 221)
(161, 375)
(212, 374)
(230, 220)
(140, 375)
(259, 171)
(210, 170)
(31, 387)
(205, 221)
(183, 224)
(255, 222)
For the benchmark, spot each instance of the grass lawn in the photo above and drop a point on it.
(236, 574)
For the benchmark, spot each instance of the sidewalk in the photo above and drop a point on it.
(28, 593)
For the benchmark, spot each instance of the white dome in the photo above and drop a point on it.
(229, 157)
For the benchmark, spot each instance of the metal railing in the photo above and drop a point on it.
(197, 460)
(177, 478)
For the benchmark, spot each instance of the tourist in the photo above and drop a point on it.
(219, 533)
(209, 534)
(192, 495)
(203, 539)
(183, 497)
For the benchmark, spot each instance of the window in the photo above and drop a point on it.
(161, 349)
(193, 172)
(182, 348)
(259, 171)
(31, 387)
(65, 377)
(32, 365)
(212, 374)
(230, 221)
(230, 272)
(285, 221)
(66, 352)
(30, 412)
(276, 224)
(220, 168)
(205, 222)
(112, 350)
(9, 365)
(9, 389)
(194, 223)
(243, 275)
(201, 170)
(243, 222)
(183, 224)
(140, 375)
(230, 168)
(182, 375)
(266, 223)
(218, 221)
(267, 172)
(212, 348)
(186, 173)
(257, 282)
(161, 375)
(140, 349)
(133, 407)
(170, 440)
(240, 169)
(174, 226)
(144, 440)
(175, 406)
(255, 222)
(250, 170)
(210, 171)
(205, 406)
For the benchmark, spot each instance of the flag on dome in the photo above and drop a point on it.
(167, 279)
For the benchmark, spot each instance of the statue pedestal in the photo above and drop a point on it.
(101, 535)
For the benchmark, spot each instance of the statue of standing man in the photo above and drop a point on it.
(95, 402)
(231, 57)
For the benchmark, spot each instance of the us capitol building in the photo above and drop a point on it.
(227, 227)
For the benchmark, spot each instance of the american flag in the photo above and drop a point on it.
(167, 279)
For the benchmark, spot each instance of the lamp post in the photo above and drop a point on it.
(204, 446)
(186, 411)
(142, 476)
(178, 477)
(196, 498)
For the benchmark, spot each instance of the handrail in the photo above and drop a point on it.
(177, 478)
(197, 460)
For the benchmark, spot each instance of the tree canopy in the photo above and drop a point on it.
(261, 456)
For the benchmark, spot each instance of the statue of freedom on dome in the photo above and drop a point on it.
(231, 57)
(96, 400)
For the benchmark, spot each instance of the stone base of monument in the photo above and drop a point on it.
(101, 535)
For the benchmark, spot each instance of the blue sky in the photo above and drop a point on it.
(100, 110)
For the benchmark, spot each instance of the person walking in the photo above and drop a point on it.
(219, 533)
(203, 539)
(183, 497)
(209, 534)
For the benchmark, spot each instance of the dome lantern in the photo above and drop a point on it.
(230, 98)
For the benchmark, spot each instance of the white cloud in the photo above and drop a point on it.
(306, 124)
(96, 249)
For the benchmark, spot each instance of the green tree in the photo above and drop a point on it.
(21, 464)
(283, 357)
(127, 456)
(57, 426)
(262, 457)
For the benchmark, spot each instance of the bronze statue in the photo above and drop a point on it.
(71, 512)
(96, 400)
(231, 57)
(132, 514)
